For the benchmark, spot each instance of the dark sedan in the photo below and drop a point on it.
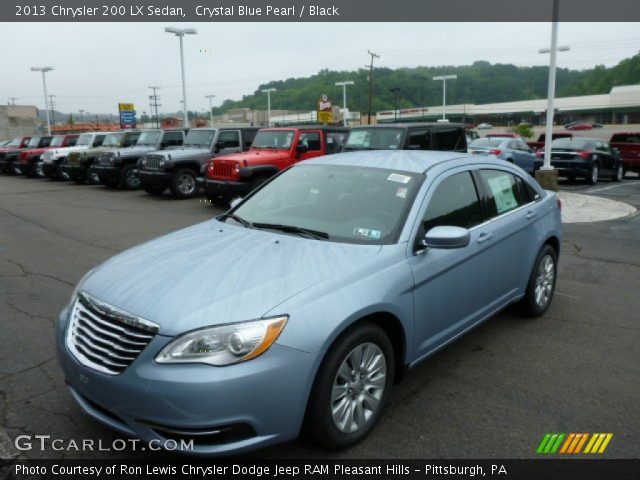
(589, 158)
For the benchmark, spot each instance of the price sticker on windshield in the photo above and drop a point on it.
(400, 178)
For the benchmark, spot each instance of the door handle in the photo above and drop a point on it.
(485, 237)
(531, 214)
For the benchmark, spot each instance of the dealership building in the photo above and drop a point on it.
(620, 106)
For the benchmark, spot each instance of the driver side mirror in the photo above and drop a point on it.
(446, 237)
(302, 148)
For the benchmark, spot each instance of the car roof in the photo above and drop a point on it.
(412, 125)
(415, 161)
(308, 127)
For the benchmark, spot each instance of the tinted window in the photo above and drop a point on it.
(311, 140)
(626, 138)
(72, 141)
(248, 136)
(487, 142)
(334, 141)
(45, 142)
(504, 192)
(230, 138)
(454, 203)
(419, 139)
(576, 143)
(448, 139)
(374, 139)
(98, 141)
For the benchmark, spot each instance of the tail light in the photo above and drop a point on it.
(584, 154)
(495, 151)
(540, 154)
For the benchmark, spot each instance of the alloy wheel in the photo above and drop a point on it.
(544, 281)
(594, 174)
(186, 184)
(132, 180)
(358, 387)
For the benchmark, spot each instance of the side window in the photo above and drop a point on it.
(514, 145)
(504, 192)
(98, 140)
(230, 138)
(45, 142)
(173, 139)
(454, 203)
(311, 140)
(248, 136)
(419, 139)
(72, 141)
(604, 146)
(131, 139)
(334, 141)
(449, 139)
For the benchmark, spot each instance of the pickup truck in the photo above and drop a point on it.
(272, 150)
(628, 144)
(117, 167)
(539, 144)
(51, 160)
(26, 164)
(178, 169)
(407, 136)
(79, 165)
(10, 156)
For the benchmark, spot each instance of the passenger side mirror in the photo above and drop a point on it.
(446, 237)
(302, 148)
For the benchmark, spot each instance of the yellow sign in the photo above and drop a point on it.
(126, 107)
(325, 110)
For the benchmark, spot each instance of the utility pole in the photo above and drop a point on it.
(444, 79)
(52, 105)
(210, 97)
(154, 103)
(12, 100)
(395, 91)
(373, 55)
(268, 91)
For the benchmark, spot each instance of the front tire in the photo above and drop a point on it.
(183, 184)
(619, 175)
(592, 178)
(542, 283)
(352, 387)
(128, 180)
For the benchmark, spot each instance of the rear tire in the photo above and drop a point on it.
(351, 388)
(619, 175)
(542, 283)
(183, 184)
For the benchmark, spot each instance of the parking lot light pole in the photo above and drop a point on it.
(180, 33)
(345, 110)
(268, 92)
(44, 70)
(444, 79)
(210, 97)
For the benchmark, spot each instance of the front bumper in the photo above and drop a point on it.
(155, 179)
(73, 169)
(268, 395)
(223, 188)
(50, 169)
(107, 173)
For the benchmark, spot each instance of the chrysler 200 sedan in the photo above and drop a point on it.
(301, 304)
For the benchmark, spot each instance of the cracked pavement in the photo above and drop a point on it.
(492, 394)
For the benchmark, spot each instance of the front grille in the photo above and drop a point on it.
(74, 158)
(223, 169)
(106, 338)
(153, 162)
(105, 158)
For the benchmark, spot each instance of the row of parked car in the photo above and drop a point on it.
(182, 160)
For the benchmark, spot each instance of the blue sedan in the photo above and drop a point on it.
(303, 302)
(513, 150)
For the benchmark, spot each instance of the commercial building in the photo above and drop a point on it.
(17, 120)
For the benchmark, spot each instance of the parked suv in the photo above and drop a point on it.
(79, 165)
(628, 144)
(179, 169)
(53, 159)
(117, 167)
(411, 136)
(272, 150)
(12, 155)
(17, 143)
(29, 158)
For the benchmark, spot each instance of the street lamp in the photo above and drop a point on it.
(210, 97)
(81, 112)
(345, 110)
(181, 32)
(44, 84)
(268, 92)
(444, 79)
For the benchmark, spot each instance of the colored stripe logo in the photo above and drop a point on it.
(574, 443)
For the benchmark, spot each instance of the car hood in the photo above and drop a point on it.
(180, 153)
(214, 273)
(134, 151)
(257, 155)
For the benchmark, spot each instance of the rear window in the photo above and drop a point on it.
(486, 142)
(575, 143)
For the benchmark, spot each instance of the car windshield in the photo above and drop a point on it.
(279, 139)
(113, 140)
(57, 141)
(374, 139)
(332, 202)
(486, 142)
(34, 142)
(573, 143)
(16, 142)
(84, 139)
(199, 138)
(149, 138)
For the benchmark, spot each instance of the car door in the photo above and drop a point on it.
(526, 158)
(313, 140)
(229, 142)
(454, 288)
(605, 155)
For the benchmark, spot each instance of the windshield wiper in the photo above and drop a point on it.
(293, 229)
(240, 220)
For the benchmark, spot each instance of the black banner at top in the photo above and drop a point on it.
(317, 10)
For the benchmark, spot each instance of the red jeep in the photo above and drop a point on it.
(26, 165)
(272, 150)
(628, 144)
(9, 150)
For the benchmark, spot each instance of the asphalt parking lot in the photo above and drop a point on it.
(492, 394)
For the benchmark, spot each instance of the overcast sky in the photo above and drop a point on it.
(98, 65)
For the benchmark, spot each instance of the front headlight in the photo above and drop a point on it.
(225, 344)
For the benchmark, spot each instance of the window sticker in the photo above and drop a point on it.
(398, 177)
(366, 232)
(502, 193)
(402, 192)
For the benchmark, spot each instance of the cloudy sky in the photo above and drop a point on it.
(98, 65)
